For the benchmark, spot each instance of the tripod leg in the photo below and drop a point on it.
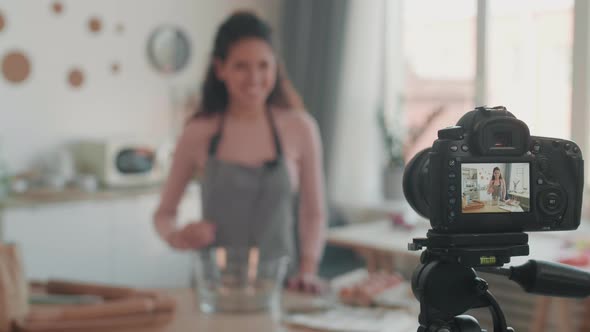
(539, 321)
(497, 315)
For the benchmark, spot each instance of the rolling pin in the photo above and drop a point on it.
(21, 301)
(13, 287)
(40, 298)
(6, 294)
(101, 324)
(110, 309)
(107, 292)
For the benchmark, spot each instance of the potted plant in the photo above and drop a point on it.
(392, 134)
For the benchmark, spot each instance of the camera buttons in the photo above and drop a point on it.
(452, 200)
(536, 148)
(552, 201)
(567, 146)
(452, 162)
(452, 175)
(454, 148)
(452, 187)
(576, 149)
(451, 216)
(465, 148)
(540, 181)
(543, 164)
(555, 144)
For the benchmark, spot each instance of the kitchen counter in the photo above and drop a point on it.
(495, 209)
(522, 195)
(36, 197)
(187, 317)
(105, 236)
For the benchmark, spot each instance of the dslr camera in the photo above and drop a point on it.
(488, 175)
(483, 184)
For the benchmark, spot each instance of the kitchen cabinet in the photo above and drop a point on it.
(70, 240)
(159, 265)
(470, 184)
(107, 240)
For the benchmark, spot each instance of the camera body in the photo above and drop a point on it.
(488, 175)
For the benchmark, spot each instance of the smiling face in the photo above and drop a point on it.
(496, 174)
(249, 72)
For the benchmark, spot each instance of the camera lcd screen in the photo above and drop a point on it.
(495, 187)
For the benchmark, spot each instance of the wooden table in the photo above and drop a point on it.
(493, 209)
(189, 318)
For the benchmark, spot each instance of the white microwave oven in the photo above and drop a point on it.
(120, 163)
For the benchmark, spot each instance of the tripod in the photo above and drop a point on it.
(447, 285)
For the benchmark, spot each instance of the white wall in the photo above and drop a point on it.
(44, 112)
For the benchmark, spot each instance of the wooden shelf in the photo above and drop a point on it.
(44, 196)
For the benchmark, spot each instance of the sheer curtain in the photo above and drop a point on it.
(358, 156)
(334, 52)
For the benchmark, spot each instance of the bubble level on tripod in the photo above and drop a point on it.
(487, 260)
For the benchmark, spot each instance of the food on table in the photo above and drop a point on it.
(364, 291)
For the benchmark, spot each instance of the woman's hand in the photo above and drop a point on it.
(194, 235)
(307, 283)
(490, 188)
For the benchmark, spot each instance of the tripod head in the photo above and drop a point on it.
(447, 285)
(472, 250)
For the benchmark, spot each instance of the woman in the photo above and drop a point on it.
(253, 147)
(497, 186)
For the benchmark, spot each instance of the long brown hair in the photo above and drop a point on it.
(238, 26)
(493, 177)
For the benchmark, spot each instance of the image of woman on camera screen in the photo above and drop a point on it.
(497, 185)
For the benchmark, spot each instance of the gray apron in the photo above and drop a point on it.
(497, 191)
(250, 206)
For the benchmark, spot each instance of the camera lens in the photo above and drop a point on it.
(416, 183)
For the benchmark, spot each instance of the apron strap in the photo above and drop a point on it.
(214, 143)
(275, 134)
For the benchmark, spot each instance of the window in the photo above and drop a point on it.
(528, 59)
(439, 63)
(529, 62)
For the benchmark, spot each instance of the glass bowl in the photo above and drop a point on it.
(238, 279)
